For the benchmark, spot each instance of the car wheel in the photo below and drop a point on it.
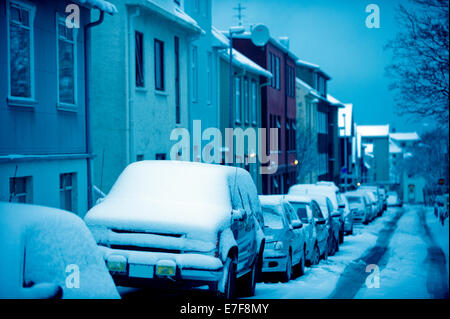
(301, 265)
(230, 283)
(331, 247)
(315, 255)
(341, 236)
(287, 275)
(248, 282)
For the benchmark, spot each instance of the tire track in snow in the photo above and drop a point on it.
(354, 275)
(437, 276)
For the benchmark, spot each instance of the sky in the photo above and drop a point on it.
(333, 34)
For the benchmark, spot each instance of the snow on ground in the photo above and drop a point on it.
(405, 273)
(319, 281)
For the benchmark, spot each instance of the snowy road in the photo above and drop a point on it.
(408, 247)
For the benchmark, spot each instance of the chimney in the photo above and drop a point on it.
(284, 42)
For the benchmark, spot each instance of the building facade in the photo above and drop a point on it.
(141, 60)
(44, 128)
(278, 107)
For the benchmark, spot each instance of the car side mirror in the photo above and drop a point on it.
(342, 206)
(336, 214)
(296, 224)
(238, 214)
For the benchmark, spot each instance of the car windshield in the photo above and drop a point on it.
(354, 199)
(300, 208)
(272, 218)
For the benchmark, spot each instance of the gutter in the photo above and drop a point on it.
(87, 67)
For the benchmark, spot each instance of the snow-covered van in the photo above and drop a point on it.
(182, 224)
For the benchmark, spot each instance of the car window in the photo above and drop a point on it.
(354, 199)
(329, 205)
(301, 211)
(287, 214)
(291, 212)
(317, 213)
(272, 218)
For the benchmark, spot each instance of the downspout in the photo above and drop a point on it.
(87, 67)
(129, 122)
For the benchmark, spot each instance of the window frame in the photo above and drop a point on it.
(158, 47)
(28, 189)
(141, 34)
(64, 105)
(31, 8)
(73, 191)
(254, 102)
(237, 99)
(246, 100)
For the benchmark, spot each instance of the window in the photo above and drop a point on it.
(177, 2)
(160, 156)
(209, 77)
(277, 72)
(139, 56)
(21, 50)
(246, 101)
(322, 124)
(290, 79)
(177, 80)
(254, 104)
(271, 69)
(20, 189)
(238, 99)
(67, 191)
(139, 157)
(159, 65)
(194, 72)
(66, 57)
(323, 163)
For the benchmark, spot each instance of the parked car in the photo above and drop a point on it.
(49, 253)
(348, 213)
(332, 192)
(182, 224)
(377, 198)
(383, 195)
(373, 202)
(393, 199)
(314, 227)
(284, 250)
(360, 206)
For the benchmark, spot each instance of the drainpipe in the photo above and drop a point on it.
(87, 67)
(129, 123)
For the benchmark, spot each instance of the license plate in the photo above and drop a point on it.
(165, 270)
(141, 271)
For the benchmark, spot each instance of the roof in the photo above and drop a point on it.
(271, 200)
(310, 90)
(373, 130)
(410, 136)
(100, 5)
(312, 66)
(172, 13)
(298, 198)
(239, 59)
(345, 116)
(334, 101)
(273, 41)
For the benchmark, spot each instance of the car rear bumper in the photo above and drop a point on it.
(142, 268)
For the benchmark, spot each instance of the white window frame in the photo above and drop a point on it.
(31, 8)
(73, 191)
(63, 105)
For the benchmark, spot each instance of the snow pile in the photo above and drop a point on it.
(42, 245)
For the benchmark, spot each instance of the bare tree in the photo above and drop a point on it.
(419, 68)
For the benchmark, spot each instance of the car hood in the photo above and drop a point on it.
(274, 234)
(197, 221)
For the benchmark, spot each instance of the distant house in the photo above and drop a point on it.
(278, 105)
(373, 152)
(141, 60)
(347, 144)
(44, 121)
(246, 111)
(329, 166)
(410, 185)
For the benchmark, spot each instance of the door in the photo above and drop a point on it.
(297, 238)
(321, 229)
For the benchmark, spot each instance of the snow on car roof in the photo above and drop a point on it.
(298, 198)
(271, 200)
(53, 239)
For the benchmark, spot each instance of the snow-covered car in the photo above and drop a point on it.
(359, 205)
(49, 253)
(376, 198)
(284, 250)
(393, 199)
(383, 195)
(314, 227)
(330, 190)
(181, 224)
(373, 203)
(348, 220)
